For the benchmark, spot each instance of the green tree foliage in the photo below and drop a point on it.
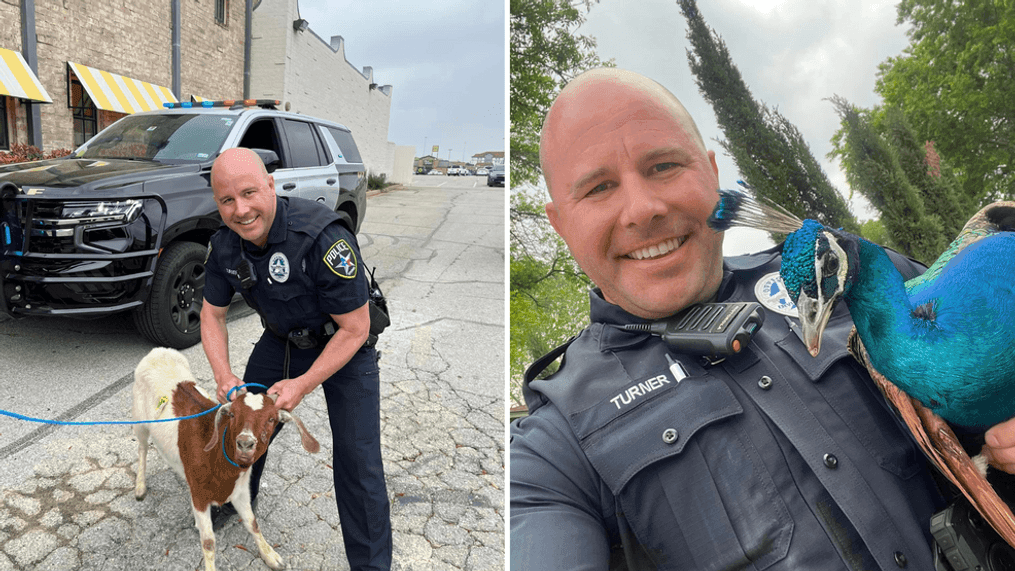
(546, 52)
(885, 161)
(769, 151)
(955, 83)
(549, 293)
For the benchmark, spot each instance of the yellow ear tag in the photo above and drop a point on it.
(162, 402)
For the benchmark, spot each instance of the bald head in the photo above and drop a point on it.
(596, 89)
(236, 161)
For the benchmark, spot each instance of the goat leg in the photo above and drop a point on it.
(202, 519)
(141, 433)
(241, 501)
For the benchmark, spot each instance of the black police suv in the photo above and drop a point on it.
(122, 224)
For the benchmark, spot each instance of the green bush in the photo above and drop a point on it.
(377, 181)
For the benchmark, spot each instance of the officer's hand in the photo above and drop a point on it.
(290, 393)
(225, 384)
(1000, 446)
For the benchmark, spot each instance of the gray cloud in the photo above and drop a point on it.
(445, 61)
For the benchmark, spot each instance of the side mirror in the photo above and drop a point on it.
(269, 158)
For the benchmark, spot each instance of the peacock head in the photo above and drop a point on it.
(817, 267)
(818, 264)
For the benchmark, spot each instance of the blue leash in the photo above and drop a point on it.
(81, 423)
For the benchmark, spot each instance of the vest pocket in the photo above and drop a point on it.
(689, 483)
(848, 389)
(292, 299)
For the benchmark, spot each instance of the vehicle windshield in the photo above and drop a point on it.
(164, 138)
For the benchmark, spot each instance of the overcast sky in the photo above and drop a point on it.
(792, 53)
(443, 59)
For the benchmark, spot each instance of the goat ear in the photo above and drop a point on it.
(215, 435)
(310, 444)
(273, 397)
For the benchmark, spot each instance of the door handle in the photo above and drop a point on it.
(331, 181)
(289, 186)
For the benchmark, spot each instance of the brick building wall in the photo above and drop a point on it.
(313, 76)
(211, 53)
(10, 24)
(131, 38)
(10, 38)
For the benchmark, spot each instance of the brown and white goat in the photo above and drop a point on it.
(165, 388)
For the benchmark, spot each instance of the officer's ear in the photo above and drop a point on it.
(271, 183)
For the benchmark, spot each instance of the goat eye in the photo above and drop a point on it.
(830, 265)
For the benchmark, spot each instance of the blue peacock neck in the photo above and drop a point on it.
(883, 315)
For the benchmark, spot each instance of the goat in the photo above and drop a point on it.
(196, 448)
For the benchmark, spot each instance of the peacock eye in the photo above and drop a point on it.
(830, 265)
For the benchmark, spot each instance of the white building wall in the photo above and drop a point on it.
(313, 77)
(402, 167)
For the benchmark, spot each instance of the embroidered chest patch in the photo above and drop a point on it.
(278, 267)
(341, 260)
(772, 293)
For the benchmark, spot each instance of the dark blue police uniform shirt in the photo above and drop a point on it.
(309, 269)
(620, 465)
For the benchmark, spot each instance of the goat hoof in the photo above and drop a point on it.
(140, 493)
(273, 560)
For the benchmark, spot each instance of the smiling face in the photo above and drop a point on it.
(244, 193)
(632, 188)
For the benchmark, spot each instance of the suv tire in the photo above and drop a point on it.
(171, 316)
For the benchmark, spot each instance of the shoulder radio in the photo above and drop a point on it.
(709, 329)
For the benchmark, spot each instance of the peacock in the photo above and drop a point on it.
(940, 346)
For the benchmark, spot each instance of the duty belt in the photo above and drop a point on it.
(310, 337)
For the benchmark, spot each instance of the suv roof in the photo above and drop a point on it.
(238, 111)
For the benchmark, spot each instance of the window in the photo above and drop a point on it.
(304, 150)
(221, 8)
(84, 113)
(346, 145)
(261, 135)
(4, 142)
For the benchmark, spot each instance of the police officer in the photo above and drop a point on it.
(636, 456)
(300, 269)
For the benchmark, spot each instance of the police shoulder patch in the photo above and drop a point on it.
(341, 260)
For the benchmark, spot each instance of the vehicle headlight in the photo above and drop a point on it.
(124, 211)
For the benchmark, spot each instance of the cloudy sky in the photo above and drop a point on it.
(792, 53)
(443, 59)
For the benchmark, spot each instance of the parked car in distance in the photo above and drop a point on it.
(481, 171)
(495, 176)
(434, 171)
(123, 223)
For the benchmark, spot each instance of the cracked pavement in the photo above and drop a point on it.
(66, 493)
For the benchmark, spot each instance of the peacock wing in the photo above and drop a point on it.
(991, 219)
(942, 448)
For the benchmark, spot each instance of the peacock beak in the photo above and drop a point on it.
(814, 314)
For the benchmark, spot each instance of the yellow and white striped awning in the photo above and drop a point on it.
(197, 98)
(114, 92)
(17, 79)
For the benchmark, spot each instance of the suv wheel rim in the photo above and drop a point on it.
(186, 297)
